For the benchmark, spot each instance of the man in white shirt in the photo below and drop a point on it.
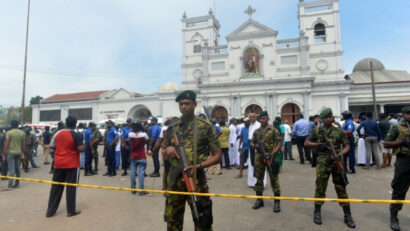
(287, 152)
(233, 143)
(37, 133)
(251, 160)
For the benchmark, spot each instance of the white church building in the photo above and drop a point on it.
(252, 71)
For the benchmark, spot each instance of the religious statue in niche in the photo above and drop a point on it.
(251, 61)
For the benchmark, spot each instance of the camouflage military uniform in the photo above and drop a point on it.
(207, 139)
(401, 180)
(96, 135)
(30, 140)
(325, 165)
(269, 137)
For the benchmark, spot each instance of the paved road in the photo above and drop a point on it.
(107, 210)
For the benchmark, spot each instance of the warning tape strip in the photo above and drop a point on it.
(370, 201)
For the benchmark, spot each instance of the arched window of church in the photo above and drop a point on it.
(197, 48)
(320, 33)
(251, 62)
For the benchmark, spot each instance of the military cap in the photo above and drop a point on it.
(263, 113)
(405, 109)
(325, 113)
(188, 94)
(129, 120)
(91, 124)
(110, 122)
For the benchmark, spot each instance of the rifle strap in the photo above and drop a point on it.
(194, 148)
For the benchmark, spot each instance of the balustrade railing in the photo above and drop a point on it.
(287, 43)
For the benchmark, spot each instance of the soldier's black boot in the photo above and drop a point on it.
(394, 221)
(87, 171)
(276, 206)
(348, 217)
(317, 215)
(259, 202)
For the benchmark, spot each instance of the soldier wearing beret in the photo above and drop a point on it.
(190, 130)
(271, 140)
(326, 166)
(398, 138)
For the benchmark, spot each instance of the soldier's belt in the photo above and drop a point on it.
(371, 201)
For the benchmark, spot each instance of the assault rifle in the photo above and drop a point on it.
(273, 170)
(337, 161)
(188, 178)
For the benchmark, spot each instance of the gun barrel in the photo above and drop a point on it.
(187, 175)
(338, 164)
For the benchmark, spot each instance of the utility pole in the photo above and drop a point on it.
(25, 68)
(373, 91)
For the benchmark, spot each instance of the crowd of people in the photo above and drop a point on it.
(244, 143)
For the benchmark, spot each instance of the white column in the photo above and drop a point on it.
(64, 112)
(205, 101)
(238, 103)
(274, 104)
(267, 106)
(306, 104)
(205, 58)
(342, 102)
(161, 109)
(304, 57)
(381, 108)
(232, 106)
(346, 102)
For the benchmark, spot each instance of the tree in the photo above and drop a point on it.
(35, 100)
(28, 111)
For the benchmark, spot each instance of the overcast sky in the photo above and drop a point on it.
(85, 45)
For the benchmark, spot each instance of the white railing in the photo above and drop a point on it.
(198, 23)
(287, 43)
(218, 49)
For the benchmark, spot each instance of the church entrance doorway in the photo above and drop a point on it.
(140, 112)
(253, 108)
(290, 112)
(220, 112)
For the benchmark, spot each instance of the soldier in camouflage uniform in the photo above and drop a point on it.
(29, 140)
(271, 140)
(399, 139)
(95, 140)
(207, 142)
(326, 165)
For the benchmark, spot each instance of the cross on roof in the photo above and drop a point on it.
(250, 11)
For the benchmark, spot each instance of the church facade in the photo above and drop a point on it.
(256, 71)
(252, 71)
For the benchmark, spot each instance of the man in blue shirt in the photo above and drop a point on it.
(371, 137)
(244, 149)
(300, 131)
(111, 140)
(153, 137)
(125, 147)
(348, 129)
(88, 153)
